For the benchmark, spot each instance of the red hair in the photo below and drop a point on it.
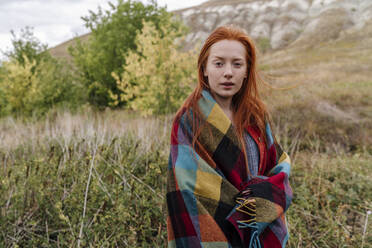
(248, 109)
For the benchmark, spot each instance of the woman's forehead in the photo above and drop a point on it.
(227, 49)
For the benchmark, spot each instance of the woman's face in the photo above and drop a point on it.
(226, 68)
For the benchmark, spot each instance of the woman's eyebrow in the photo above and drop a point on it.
(218, 57)
(223, 58)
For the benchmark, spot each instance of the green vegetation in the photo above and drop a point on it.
(263, 45)
(100, 180)
(104, 72)
(113, 35)
(159, 79)
(26, 46)
(32, 81)
(332, 194)
(80, 191)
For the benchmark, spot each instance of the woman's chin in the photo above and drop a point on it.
(225, 93)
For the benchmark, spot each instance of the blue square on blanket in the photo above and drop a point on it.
(186, 178)
(187, 158)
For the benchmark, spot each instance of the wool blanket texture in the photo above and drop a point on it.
(218, 203)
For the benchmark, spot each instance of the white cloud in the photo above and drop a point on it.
(53, 21)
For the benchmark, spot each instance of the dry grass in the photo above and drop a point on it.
(331, 92)
(85, 125)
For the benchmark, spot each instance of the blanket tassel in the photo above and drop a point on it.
(248, 206)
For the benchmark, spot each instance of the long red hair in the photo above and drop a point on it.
(248, 109)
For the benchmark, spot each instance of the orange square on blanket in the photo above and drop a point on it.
(208, 185)
(209, 229)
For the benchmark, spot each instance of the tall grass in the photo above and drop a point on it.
(83, 180)
(332, 194)
(98, 180)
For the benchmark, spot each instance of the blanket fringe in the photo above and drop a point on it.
(255, 241)
(248, 206)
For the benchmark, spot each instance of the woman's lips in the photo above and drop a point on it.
(227, 85)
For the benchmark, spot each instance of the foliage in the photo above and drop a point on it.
(15, 86)
(26, 46)
(113, 34)
(32, 81)
(28, 88)
(157, 78)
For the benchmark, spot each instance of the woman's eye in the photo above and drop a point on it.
(218, 64)
(238, 64)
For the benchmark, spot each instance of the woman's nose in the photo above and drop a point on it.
(228, 71)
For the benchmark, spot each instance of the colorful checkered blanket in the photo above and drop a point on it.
(211, 202)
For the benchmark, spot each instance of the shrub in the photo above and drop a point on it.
(113, 34)
(32, 81)
(31, 88)
(158, 78)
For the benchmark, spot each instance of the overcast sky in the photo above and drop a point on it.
(55, 21)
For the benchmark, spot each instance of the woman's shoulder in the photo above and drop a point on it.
(181, 116)
(182, 121)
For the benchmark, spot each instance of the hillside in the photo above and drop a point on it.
(276, 23)
(60, 51)
(331, 91)
(282, 22)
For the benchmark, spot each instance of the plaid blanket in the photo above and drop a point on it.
(212, 202)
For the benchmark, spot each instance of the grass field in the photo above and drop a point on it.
(47, 166)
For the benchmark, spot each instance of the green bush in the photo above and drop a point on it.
(113, 34)
(32, 82)
(160, 77)
(263, 45)
(30, 88)
(26, 45)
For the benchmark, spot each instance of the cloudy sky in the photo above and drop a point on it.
(55, 21)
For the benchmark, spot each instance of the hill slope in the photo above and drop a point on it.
(280, 23)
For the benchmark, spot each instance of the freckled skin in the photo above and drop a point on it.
(226, 69)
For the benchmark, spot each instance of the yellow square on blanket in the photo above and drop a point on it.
(219, 119)
(208, 185)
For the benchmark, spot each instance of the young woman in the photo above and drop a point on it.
(227, 176)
